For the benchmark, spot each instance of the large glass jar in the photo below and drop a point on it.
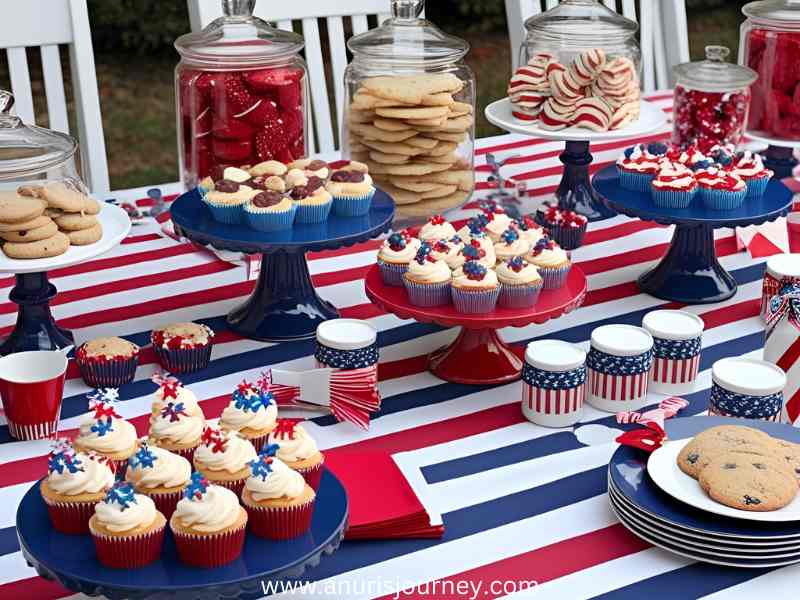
(410, 112)
(241, 94)
(712, 100)
(770, 45)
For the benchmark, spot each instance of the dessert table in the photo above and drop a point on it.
(520, 503)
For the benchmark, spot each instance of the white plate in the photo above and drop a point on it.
(769, 141)
(662, 467)
(651, 118)
(116, 225)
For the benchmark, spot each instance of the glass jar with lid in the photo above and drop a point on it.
(712, 101)
(770, 45)
(241, 94)
(410, 112)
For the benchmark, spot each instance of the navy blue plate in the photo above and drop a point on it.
(628, 473)
(70, 559)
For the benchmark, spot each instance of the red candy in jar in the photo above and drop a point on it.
(241, 90)
(712, 100)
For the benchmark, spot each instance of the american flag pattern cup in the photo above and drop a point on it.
(346, 344)
(553, 383)
(677, 343)
(781, 270)
(782, 346)
(746, 388)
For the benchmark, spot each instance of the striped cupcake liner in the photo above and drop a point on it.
(270, 220)
(166, 503)
(70, 517)
(722, 199)
(236, 485)
(392, 273)
(211, 550)
(352, 206)
(672, 198)
(522, 295)
(554, 277)
(313, 213)
(427, 294)
(471, 301)
(183, 360)
(230, 214)
(312, 474)
(756, 186)
(279, 522)
(129, 551)
(636, 182)
(108, 373)
(569, 238)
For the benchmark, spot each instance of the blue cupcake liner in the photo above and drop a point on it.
(313, 213)
(111, 373)
(672, 198)
(756, 186)
(352, 206)
(271, 220)
(522, 295)
(554, 277)
(427, 294)
(569, 238)
(226, 213)
(392, 273)
(722, 199)
(472, 301)
(636, 182)
(183, 360)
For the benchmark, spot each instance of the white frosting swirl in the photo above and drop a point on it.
(453, 248)
(185, 395)
(281, 482)
(430, 272)
(95, 477)
(498, 225)
(531, 235)
(140, 513)
(528, 274)
(168, 470)
(548, 258)
(185, 430)
(121, 436)
(238, 452)
(405, 255)
(505, 251)
(431, 232)
(302, 445)
(217, 509)
(236, 419)
(460, 279)
(674, 177)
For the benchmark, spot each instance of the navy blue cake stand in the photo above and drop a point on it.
(284, 305)
(70, 559)
(689, 272)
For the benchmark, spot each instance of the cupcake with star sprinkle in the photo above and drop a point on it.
(475, 288)
(176, 430)
(394, 256)
(477, 251)
(510, 245)
(208, 524)
(222, 457)
(498, 221)
(278, 501)
(520, 283)
(529, 230)
(551, 261)
(127, 528)
(171, 389)
(437, 228)
(160, 475)
(566, 227)
(104, 431)
(427, 280)
(298, 450)
(447, 250)
(252, 412)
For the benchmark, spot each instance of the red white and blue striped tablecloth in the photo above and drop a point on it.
(519, 502)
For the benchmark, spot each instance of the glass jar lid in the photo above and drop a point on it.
(714, 74)
(581, 22)
(238, 38)
(407, 38)
(26, 150)
(774, 11)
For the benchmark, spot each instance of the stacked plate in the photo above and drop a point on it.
(663, 506)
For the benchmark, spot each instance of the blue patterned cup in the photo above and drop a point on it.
(346, 344)
(553, 383)
(747, 388)
(677, 341)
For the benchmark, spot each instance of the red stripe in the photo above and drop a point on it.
(33, 587)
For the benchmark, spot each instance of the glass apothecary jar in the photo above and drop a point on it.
(712, 101)
(241, 90)
(770, 45)
(410, 112)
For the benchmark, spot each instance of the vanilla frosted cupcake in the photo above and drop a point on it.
(174, 429)
(427, 280)
(104, 431)
(552, 262)
(498, 222)
(475, 288)
(510, 245)
(222, 458)
(479, 249)
(674, 186)
(520, 283)
(395, 254)
(436, 228)
(252, 412)
(298, 450)
(159, 474)
(171, 390)
(447, 250)
(475, 227)
(529, 230)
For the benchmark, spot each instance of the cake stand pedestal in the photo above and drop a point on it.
(689, 272)
(575, 190)
(36, 328)
(284, 306)
(478, 355)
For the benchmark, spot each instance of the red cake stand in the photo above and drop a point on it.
(478, 355)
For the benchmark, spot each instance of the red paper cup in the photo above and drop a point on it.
(71, 517)
(31, 386)
(209, 551)
(166, 503)
(793, 227)
(279, 522)
(312, 475)
(235, 486)
(129, 552)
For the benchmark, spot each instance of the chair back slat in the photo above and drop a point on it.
(316, 74)
(629, 9)
(647, 32)
(285, 24)
(359, 24)
(54, 89)
(662, 73)
(338, 52)
(21, 84)
(46, 21)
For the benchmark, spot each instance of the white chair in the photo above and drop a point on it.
(46, 24)
(202, 12)
(664, 34)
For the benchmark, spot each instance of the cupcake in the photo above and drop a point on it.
(447, 250)
(298, 450)
(278, 501)
(552, 262)
(295, 178)
(270, 211)
(105, 432)
(475, 288)
(183, 347)
(479, 249)
(252, 412)
(227, 200)
(566, 227)
(127, 529)
(751, 169)
(637, 168)
(174, 429)
(720, 190)
(313, 203)
(222, 458)
(510, 245)
(529, 230)
(208, 524)
(497, 223)
(520, 283)
(352, 190)
(75, 482)
(690, 157)
(171, 390)
(674, 187)
(107, 362)
(475, 227)
(158, 474)
(436, 228)
(311, 167)
(397, 251)
(427, 280)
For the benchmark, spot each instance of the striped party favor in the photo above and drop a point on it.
(747, 388)
(677, 337)
(553, 383)
(782, 270)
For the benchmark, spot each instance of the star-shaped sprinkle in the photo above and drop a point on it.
(169, 386)
(197, 487)
(437, 220)
(214, 438)
(516, 264)
(509, 236)
(173, 411)
(144, 458)
(474, 270)
(424, 254)
(61, 457)
(102, 427)
(284, 428)
(121, 493)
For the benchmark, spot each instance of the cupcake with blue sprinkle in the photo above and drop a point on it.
(520, 283)
(395, 254)
(552, 262)
(674, 187)
(637, 168)
(427, 280)
(475, 288)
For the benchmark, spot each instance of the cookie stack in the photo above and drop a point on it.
(409, 130)
(43, 221)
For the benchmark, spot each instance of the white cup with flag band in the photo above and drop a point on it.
(346, 344)
(553, 383)
(782, 346)
(618, 367)
(677, 341)
(747, 388)
(781, 270)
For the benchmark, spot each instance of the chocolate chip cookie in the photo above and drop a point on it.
(711, 442)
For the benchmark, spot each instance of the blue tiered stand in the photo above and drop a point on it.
(284, 305)
(689, 272)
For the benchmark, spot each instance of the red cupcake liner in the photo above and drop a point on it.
(70, 517)
(279, 522)
(112, 372)
(235, 486)
(129, 552)
(166, 503)
(187, 453)
(209, 551)
(312, 475)
(183, 360)
(258, 442)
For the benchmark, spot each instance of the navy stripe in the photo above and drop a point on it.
(8, 540)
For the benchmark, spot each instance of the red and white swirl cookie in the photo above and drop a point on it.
(587, 65)
(592, 113)
(555, 115)
(563, 85)
(624, 115)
